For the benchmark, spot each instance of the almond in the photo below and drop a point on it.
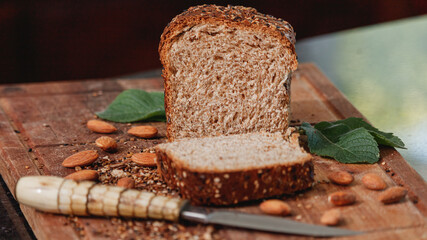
(341, 177)
(106, 143)
(90, 175)
(99, 126)
(373, 181)
(144, 159)
(392, 195)
(331, 217)
(342, 198)
(143, 131)
(81, 159)
(275, 207)
(126, 182)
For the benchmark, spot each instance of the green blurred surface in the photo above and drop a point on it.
(382, 69)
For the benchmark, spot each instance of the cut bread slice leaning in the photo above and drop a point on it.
(227, 70)
(230, 169)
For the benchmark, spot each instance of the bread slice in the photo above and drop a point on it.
(226, 70)
(230, 169)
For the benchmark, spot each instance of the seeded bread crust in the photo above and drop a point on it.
(226, 188)
(240, 17)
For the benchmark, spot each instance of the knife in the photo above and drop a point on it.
(84, 198)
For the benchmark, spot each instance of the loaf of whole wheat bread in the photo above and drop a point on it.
(226, 70)
(230, 169)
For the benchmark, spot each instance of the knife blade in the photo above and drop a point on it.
(65, 196)
(260, 222)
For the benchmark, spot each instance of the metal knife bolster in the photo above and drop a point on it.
(194, 214)
(58, 195)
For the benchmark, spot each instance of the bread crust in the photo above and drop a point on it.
(226, 188)
(240, 17)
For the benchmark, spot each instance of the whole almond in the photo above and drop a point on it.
(331, 217)
(90, 175)
(144, 159)
(341, 177)
(392, 195)
(126, 182)
(99, 126)
(275, 207)
(143, 131)
(106, 143)
(81, 159)
(342, 198)
(373, 181)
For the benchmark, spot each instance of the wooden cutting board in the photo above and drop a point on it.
(41, 124)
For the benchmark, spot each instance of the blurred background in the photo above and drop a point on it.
(73, 39)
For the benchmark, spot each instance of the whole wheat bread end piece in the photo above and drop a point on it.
(227, 170)
(226, 70)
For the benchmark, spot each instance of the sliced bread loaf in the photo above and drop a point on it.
(230, 169)
(226, 70)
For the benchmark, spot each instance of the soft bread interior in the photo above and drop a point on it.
(226, 81)
(235, 152)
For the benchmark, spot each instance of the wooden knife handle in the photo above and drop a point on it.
(65, 196)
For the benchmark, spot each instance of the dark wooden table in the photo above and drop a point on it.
(12, 224)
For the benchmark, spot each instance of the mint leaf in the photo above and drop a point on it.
(354, 146)
(332, 131)
(135, 105)
(383, 138)
(351, 140)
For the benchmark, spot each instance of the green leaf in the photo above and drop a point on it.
(135, 105)
(332, 131)
(383, 138)
(354, 146)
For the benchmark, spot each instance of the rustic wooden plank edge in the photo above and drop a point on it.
(35, 219)
(337, 100)
(59, 87)
(413, 232)
(400, 233)
(406, 176)
(57, 225)
(19, 144)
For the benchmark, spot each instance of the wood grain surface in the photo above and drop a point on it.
(41, 124)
